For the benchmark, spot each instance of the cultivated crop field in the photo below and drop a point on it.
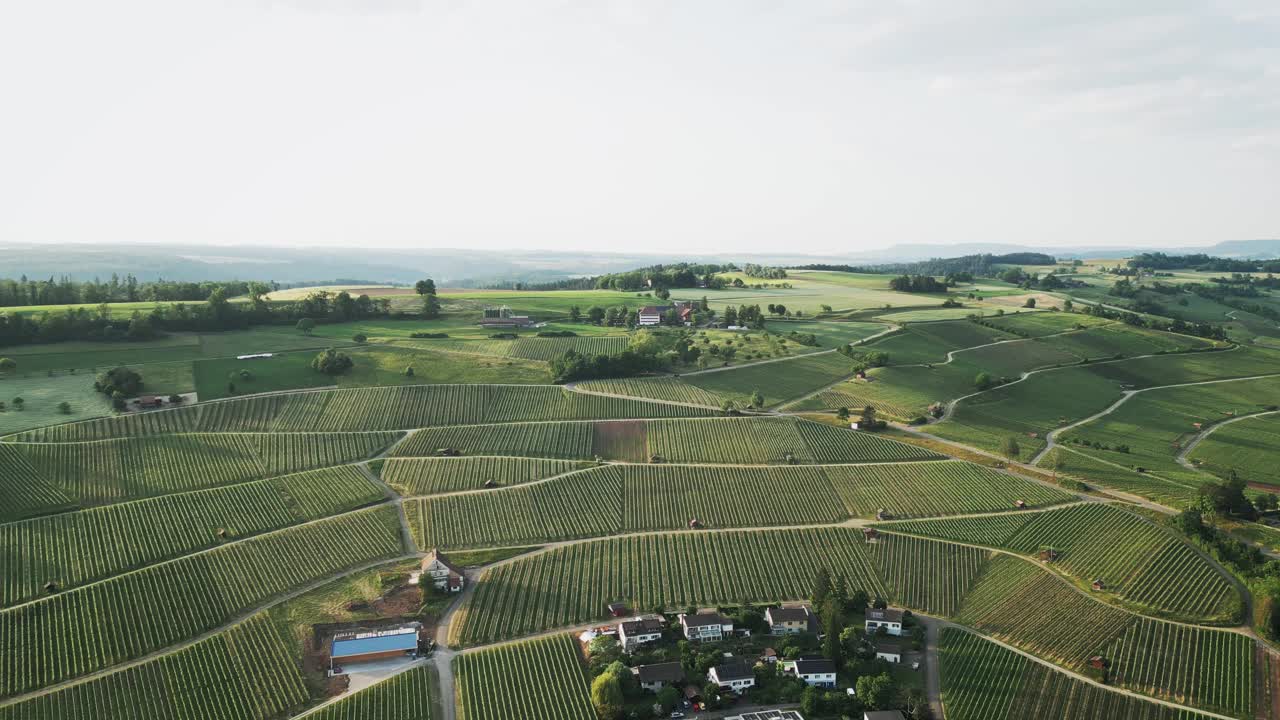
(1247, 447)
(244, 673)
(778, 381)
(411, 695)
(431, 476)
(673, 571)
(930, 342)
(669, 389)
(42, 643)
(934, 488)
(1031, 609)
(983, 681)
(1136, 560)
(543, 678)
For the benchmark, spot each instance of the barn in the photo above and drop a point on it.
(368, 647)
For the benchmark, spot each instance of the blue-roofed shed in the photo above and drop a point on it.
(381, 646)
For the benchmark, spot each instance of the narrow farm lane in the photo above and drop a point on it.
(933, 675)
(1200, 436)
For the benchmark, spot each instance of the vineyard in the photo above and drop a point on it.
(25, 491)
(672, 571)
(730, 440)
(108, 471)
(1246, 447)
(543, 678)
(1031, 609)
(779, 381)
(983, 681)
(1136, 560)
(430, 476)
(98, 543)
(245, 673)
(667, 497)
(411, 695)
(946, 487)
(582, 504)
(669, 389)
(926, 575)
(368, 409)
(45, 642)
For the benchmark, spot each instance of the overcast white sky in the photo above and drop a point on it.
(738, 125)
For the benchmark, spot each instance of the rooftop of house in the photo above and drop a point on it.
(703, 619)
(815, 666)
(641, 626)
(397, 641)
(787, 614)
(885, 615)
(734, 669)
(669, 672)
(885, 645)
(435, 555)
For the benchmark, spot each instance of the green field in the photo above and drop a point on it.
(948, 487)
(42, 643)
(244, 673)
(99, 543)
(829, 334)
(411, 695)
(431, 476)
(42, 395)
(1139, 562)
(665, 388)
(983, 681)
(1042, 614)
(1247, 447)
(544, 678)
(930, 342)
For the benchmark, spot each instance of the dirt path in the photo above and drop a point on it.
(932, 673)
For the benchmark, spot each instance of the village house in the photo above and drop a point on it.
(890, 650)
(817, 671)
(659, 675)
(638, 631)
(705, 625)
(789, 620)
(733, 674)
(441, 573)
(889, 619)
(653, 314)
(502, 317)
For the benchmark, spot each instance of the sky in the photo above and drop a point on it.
(743, 125)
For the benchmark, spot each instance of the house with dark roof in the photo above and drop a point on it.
(638, 631)
(891, 650)
(441, 573)
(659, 675)
(815, 670)
(790, 620)
(733, 674)
(887, 618)
(705, 625)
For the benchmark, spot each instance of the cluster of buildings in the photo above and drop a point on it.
(650, 315)
(735, 673)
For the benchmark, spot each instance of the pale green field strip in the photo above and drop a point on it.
(1039, 324)
(108, 471)
(245, 673)
(930, 342)
(431, 476)
(1248, 447)
(635, 498)
(983, 681)
(1157, 424)
(665, 388)
(366, 409)
(571, 585)
(543, 678)
(1135, 560)
(778, 381)
(128, 616)
(411, 695)
(730, 440)
(1035, 611)
(75, 548)
(527, 348)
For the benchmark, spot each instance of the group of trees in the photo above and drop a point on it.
(215, 313)
(985, 265)
(764, 272)
(917, 284)
(573, 365)
(1200, 261)
(430, 303)
(119, 383)
(679, 275)
(332, 362)
(24, 292)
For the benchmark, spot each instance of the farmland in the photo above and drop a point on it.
(1245, 447)
(1139, 562)
(934, 488)
(543, 678)
(983, 681)
(669, 389)
(674, 571)
(244, 673)
(143, 611)
(102, 542)
(411, 695)
(430, 476)
(783, 380)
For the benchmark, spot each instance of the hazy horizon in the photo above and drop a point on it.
(819, 128)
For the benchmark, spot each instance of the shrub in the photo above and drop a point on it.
(121, 379)
(332, 362)
(408, 372)
(428, 335)
(360, 338)
(64, 407)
